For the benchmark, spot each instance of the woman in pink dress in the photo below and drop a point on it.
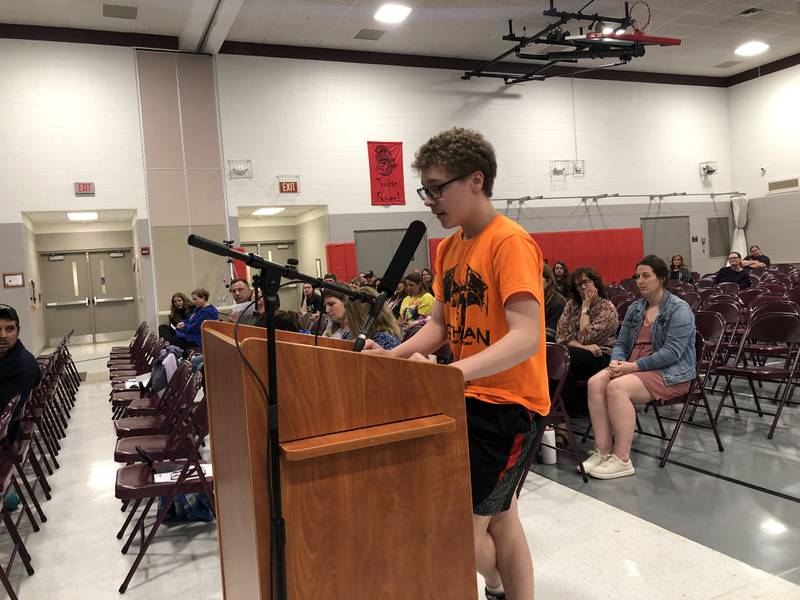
(652, 359)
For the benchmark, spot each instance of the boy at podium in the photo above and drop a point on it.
(488, 306)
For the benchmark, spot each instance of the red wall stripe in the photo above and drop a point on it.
(612, 252)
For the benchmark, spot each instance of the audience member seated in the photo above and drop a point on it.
(756, 260)
(418, 304)
(553, 303)
(427, 278)
(679, 271)
(562, 278)
(396, 300)
(19, 372)
(180, 309)
(330, 278)
(588, 326)
(370, 280)
(653, 359)
(348, 318)
(311, 301)
(734, 273)
(289, 320)
(243, 295)
(189, 330)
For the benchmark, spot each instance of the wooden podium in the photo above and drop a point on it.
(374, 471)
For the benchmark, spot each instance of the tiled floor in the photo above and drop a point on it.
(584, 548)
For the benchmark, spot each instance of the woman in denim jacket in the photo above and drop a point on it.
(652, 359)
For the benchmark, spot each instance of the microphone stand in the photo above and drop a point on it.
(269, 281)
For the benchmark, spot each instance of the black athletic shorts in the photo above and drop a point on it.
(500, 439)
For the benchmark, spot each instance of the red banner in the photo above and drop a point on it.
(386, 173)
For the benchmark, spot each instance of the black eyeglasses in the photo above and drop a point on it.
(435, 190)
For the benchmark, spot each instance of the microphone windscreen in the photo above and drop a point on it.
(402, 257)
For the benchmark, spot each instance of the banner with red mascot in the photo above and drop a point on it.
(386, 173)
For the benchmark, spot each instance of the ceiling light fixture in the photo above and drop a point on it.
(82, 216)
(268, 212)
(751, 48)
(608, 30)
(392, 13)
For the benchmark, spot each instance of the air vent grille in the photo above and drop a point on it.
(728, 64)
(749, 13)
(784, 185)
(369, 34)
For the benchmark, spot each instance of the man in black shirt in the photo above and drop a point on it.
(735, 273)
(755, 260)
(19, 372)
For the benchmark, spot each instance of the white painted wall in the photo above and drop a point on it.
(765, 130)
(313, 119)
(68, 112)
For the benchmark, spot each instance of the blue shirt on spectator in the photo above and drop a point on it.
(191, 326)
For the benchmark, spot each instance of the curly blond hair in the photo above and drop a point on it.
(459, 150)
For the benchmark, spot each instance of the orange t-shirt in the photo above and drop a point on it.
(474, 279)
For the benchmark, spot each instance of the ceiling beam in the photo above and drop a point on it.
(221, 24)
(196, 25)
(208, 25)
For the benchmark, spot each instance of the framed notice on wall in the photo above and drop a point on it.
(13, 280)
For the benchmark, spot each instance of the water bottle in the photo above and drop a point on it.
(549, 451)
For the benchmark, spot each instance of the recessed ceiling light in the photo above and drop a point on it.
(773, 527)
(751, 48)
(268, 212)
(392, 13)
(82, 216)
(608, 30)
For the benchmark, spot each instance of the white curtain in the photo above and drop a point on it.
(739, 205)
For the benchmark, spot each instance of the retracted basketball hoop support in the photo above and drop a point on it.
(592, 45)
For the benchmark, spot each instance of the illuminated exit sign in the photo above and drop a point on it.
(288, 187)
(84, 188)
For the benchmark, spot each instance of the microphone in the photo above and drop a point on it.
(394, 273)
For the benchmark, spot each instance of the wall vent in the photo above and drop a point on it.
(784, 185)
(369, 34)
(728, 64)
(749, 13)
(117, 11)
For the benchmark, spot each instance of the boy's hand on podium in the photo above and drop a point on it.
(373, 347)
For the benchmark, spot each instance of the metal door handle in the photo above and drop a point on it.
(84, 302)
(106, 300)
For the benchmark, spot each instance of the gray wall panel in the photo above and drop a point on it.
(773, 223)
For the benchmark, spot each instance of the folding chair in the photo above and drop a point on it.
(136, 483)
(558, 363)
(780, 334)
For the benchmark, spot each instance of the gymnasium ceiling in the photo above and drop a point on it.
(710, 30)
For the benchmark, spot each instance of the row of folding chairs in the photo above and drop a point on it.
(157, 433)
(30, 442)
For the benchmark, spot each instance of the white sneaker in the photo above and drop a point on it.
(612, 467)
(595, 458)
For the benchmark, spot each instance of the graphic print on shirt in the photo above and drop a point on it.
(461, 295)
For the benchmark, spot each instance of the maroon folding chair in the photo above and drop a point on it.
(692, 299)
(622, 308)
(794, 295)
(773, 287)
(707, 293)
(617, 299)
(746, 296)
(694, 398)
(704, 284)
(728, 287)
(136, 483)
(777, 331)
(168, 411)
(12, 524)
(558, 363)
(138, 338)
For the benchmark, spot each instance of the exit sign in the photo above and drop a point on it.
(288, 187)
(84, 188)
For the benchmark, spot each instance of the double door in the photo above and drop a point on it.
(279, 252)
(91, 292)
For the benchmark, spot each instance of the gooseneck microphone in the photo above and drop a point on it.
(394, 274)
